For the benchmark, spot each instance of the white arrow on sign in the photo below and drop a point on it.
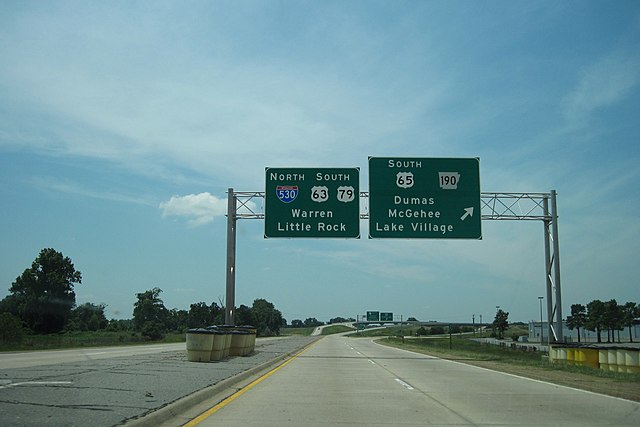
(467, 212)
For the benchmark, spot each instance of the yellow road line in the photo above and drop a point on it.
(197, 420)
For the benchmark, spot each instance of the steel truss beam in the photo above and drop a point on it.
(494, 207)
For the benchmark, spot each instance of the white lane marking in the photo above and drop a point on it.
(372, 362)
(36, 383)
(405, 385)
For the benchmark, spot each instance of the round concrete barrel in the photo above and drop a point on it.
(603, 360)
(612, 360)
(571, 356)
(219, 341)
(631, 361)
(199, 345)
(226, 329)
(562, 354)
(227, 344)
(250, 339)
(620, 360)
(553, 354)
(590, 357)
(238, 342)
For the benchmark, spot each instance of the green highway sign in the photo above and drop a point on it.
(312, 202)
(373, 316)
(424, 198)
(386, 317)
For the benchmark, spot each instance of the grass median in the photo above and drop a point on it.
(77, 339)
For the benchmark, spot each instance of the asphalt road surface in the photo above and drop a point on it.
(355, 382)
(109, 386)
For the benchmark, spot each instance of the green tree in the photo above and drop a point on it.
(267, 318)
(631, 311)
(297, 323)
(150, 314)
(199, 315)
(9, 305)
(88, 317)
(578, 318)
(177, 320)
(244, 316)
(10, 328)
(120, 325)
(43, 296)
(312, 322)
(595, 317)
(501, 323)
(217, 312)
(612, 319)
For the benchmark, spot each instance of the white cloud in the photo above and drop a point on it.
(201, 209)
(603, 83)
(198, 209)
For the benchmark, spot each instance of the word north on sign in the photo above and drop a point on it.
(312, 202)
(424, 198)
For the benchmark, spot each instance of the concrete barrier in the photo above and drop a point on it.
(199, 345)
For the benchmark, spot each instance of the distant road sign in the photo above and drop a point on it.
(312, 202)
(427, 198)
(373, 316)
(386, 317)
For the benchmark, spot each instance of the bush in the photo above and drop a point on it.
(421, 331)
(437, 330)
(153, 330)
(10, 328)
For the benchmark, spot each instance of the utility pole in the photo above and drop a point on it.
(473, 320)
(230, 302)
(541, 328)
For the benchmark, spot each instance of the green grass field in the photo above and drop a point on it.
(83, 339)
(297, 331)
(463, 349)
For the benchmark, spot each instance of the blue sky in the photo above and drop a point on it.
(122, 124)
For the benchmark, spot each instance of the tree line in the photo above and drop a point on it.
(42, 300)
(598, 316)
(311, 322)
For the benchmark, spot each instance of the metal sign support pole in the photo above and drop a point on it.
(230, 301)
(547, 272)
(556, 263)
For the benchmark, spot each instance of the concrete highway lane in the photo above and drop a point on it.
(353, 381)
